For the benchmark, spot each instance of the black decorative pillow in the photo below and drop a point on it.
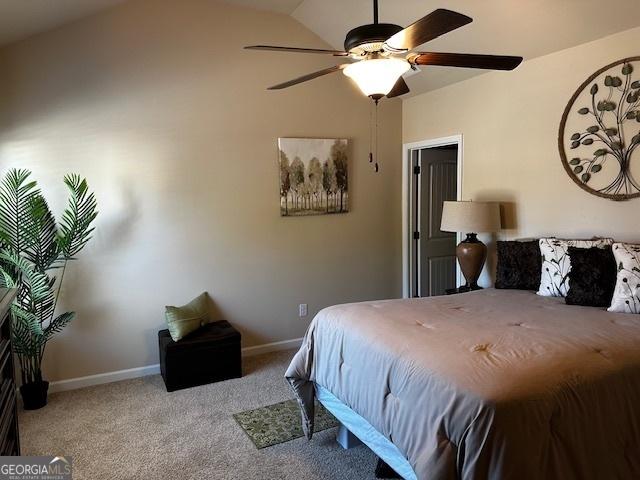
(519, 265)
(592, 278)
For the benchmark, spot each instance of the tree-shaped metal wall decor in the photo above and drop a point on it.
(600, 132)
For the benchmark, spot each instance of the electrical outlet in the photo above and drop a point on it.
(302, 310)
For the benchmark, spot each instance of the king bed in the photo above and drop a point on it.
(493, 384)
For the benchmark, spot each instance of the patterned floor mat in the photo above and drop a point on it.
(279, 423)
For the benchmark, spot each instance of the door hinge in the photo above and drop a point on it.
(416, 170)
(416, 235)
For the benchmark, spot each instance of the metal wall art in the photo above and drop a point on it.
(600, 132)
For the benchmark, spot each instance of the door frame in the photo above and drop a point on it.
(407, 207)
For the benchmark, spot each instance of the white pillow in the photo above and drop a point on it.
(626, 298)
(556, 263)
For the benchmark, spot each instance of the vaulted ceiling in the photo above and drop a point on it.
(529, 28)
(22, 18)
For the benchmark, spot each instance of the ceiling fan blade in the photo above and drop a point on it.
(466, 60)
(272, 48)
(400, 88)
(437, 23)
(310, 76)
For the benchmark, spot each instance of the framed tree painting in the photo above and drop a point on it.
(314, 178)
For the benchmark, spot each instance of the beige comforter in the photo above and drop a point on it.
(493, 384)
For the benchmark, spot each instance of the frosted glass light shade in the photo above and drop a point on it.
(376, 76)
(470, 217)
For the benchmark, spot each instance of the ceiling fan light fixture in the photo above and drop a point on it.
(377, 76)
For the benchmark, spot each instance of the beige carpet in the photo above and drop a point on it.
(134, 429)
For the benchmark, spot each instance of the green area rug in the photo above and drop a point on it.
(279, 423)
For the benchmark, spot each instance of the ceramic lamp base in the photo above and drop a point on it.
(471, 254)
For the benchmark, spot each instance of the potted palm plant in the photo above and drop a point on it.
(33, 246)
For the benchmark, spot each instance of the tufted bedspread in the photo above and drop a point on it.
(494, 384)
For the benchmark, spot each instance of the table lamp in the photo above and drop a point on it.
(471, 218)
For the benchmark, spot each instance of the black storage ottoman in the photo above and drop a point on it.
(210, 354)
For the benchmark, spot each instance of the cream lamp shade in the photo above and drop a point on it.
(470, 217)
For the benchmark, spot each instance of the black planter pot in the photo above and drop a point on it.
(34, 395)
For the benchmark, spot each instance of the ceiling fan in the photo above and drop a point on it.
(382, 52)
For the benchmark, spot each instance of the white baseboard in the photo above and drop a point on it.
(108, 377)
(271, 347)
(100, 378)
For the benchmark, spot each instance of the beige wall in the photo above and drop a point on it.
(158, 106)
(509, 122)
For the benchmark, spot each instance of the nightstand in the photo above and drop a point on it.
(463, 289)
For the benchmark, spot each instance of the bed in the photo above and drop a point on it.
(493, 384)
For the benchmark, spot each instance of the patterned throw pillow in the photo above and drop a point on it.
(556, 263)
(626, 298)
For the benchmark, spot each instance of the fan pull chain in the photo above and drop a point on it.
(370, 134)
(373, 135)
(376, 110)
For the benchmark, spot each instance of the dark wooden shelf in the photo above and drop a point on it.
(463, 289)
(9, 433)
